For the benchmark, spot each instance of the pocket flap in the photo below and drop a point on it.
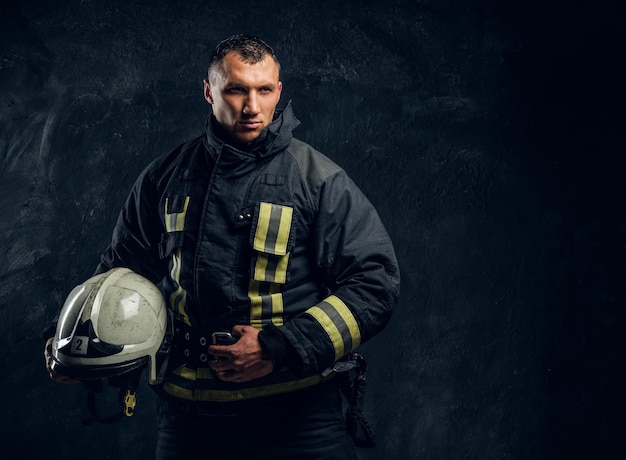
(272, 229)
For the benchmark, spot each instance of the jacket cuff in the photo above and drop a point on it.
(275, 344)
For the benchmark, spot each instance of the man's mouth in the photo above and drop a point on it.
(250, 124)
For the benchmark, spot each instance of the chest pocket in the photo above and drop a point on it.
(272, 238)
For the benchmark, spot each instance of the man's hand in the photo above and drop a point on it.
(243, 361)
(47, 353)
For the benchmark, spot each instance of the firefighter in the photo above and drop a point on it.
(274, 267)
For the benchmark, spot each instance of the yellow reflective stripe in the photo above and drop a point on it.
(175, 222)
(178, 298)
(284, 229)
(348, 318)
(187, 373)
(280, 275)
(247, 393)
(277, 304)
(273, 229)
(271, 242)
(239, 394)
(330, 328)
(263, 223)
(260, 267)
(273, 297)
(256, 305)
(339, 323)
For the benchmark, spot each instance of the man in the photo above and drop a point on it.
(250, 231)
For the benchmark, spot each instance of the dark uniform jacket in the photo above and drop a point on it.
(276, 236)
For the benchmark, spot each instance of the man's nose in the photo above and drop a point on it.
(251, 106)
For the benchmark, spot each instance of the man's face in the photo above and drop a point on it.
(244, 96)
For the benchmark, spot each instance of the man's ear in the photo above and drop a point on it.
(207, 92)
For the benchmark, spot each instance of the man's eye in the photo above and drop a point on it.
(266, 90)
(235, 90)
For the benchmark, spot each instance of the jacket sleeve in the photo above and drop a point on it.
(358, 265)
(135, 240)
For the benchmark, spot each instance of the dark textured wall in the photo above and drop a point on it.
(481, 132)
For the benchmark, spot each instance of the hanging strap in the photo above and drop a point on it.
(353, 389)
(126, 397)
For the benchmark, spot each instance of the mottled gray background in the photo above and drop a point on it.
(484, 133)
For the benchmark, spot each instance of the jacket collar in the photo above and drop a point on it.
(274, 138)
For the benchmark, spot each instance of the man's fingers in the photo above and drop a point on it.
(47, 350)
(220, 353)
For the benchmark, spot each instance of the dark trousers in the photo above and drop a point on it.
(305, 425)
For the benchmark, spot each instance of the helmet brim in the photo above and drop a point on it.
(85, 372)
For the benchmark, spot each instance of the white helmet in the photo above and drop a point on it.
(113, 324)
(110, 324)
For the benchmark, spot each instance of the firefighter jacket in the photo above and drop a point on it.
(276, 235)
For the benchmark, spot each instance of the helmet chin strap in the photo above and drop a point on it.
(127, 384)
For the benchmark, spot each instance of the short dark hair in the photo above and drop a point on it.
(252, 49)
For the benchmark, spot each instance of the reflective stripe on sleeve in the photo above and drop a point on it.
(339, 323)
